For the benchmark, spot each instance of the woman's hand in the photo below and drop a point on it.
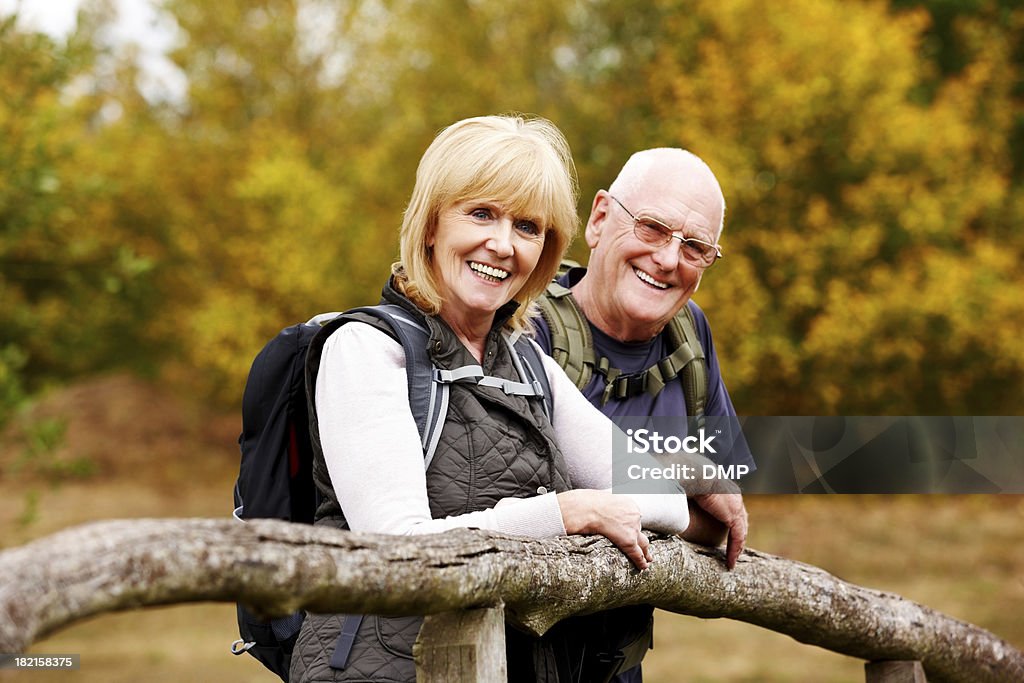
(617, 518)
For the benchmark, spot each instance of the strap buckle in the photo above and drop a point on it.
(630, 385)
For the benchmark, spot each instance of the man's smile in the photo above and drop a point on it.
(649, 279)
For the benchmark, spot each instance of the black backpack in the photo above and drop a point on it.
(275, 479)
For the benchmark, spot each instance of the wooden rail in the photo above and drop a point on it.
(278, 568)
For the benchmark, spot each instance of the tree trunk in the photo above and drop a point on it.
(278, 568)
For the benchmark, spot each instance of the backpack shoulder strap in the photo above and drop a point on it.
(687, 361)
(572, 346)
(530, 366)
(428, 399)
(428, 402)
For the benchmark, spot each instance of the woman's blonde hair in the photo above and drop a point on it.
(522, 162)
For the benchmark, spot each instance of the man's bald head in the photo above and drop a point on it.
(668, 170)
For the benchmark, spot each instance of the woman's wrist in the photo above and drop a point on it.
(576, 512)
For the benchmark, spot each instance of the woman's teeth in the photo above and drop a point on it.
(489, 272)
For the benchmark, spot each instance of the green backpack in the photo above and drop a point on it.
(617, 641)
(572, 347)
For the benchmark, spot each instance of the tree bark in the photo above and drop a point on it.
(278, 568)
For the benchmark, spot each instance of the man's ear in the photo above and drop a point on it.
(596, 221)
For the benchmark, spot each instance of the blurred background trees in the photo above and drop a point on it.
(871, 154)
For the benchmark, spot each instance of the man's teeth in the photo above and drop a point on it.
(496, 274)
(649, 280)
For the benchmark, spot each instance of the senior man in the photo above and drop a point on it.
(647, 349)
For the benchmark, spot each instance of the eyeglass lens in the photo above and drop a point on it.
(659, 235)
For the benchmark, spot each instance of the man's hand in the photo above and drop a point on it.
(716, 517)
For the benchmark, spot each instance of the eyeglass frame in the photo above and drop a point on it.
(671, 235)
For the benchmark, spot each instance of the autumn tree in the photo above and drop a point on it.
(873, 182)
(74, 287)
(868, 266)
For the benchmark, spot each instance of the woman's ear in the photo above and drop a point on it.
(431, 230)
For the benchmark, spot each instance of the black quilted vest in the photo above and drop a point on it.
(492, 446)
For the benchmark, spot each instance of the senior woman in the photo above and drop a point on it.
(491, 213)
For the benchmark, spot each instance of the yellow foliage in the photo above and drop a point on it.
(874, 201)
(862, 210)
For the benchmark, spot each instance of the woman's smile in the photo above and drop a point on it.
(482, 257)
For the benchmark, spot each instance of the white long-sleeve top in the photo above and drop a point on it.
(375, 459)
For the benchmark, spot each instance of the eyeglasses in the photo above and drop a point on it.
(655, 233)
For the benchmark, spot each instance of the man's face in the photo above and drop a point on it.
(639, 287)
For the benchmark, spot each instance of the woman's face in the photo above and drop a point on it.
(483, 256)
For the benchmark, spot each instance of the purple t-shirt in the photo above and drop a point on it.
(630, 357)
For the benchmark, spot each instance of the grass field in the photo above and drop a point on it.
(116, 448)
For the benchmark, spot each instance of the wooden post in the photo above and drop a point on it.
(464, 645)
(894, 672)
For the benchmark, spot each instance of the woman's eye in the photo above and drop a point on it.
(528, 227)
(480, 214)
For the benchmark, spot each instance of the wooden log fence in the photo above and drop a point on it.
(471, 581)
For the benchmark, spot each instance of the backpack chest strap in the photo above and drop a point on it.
(652, 380)
(474, 374)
